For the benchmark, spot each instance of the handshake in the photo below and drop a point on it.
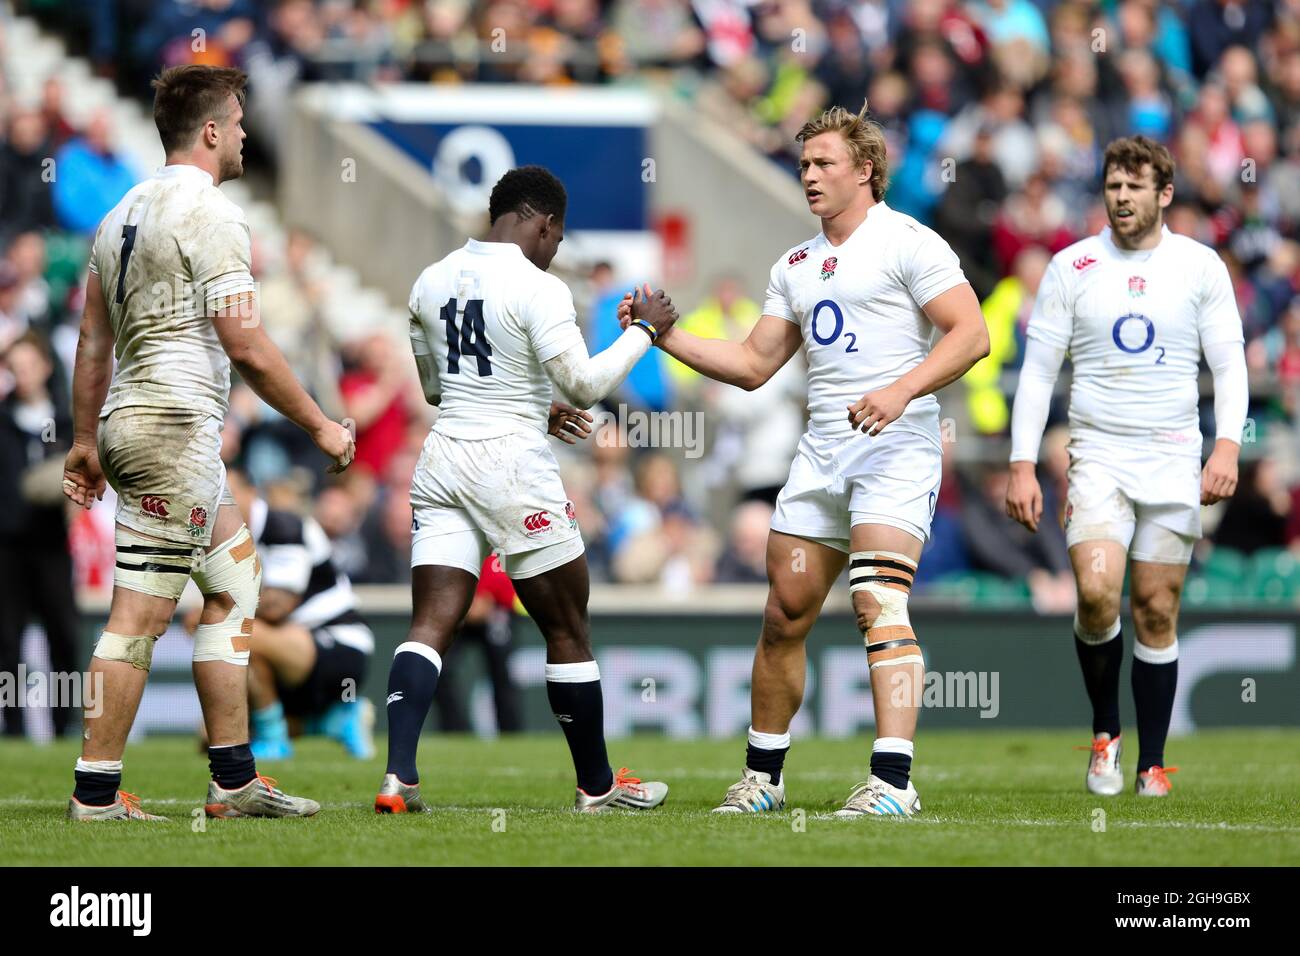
(651, 311)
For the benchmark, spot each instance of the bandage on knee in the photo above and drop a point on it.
(887, 576)
(136, 650)
(151, 566)
(232, 568)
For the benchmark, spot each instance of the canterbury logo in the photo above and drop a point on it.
(1083, 262)
(537, 522)
(155, 505)
(393, 698)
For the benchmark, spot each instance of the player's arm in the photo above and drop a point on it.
(586, 379)
(956, 313)
(1227, 361)
(1051, 326)
(1029, 413)
(264, 368)
(747, 364)
(83, 480)
(1219, 326)
(425, 362)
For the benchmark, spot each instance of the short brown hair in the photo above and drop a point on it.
(865, 139)
(1133, 152)
(186, 97)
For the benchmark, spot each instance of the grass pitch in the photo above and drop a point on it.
(991, 798)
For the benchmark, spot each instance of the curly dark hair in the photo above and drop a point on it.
(1134, 152)
(527, 191)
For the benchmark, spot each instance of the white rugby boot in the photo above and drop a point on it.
(125, 807)
(876, 798)
(753, 793)
(1152, 782)
(397, 797)
(257, 798)
(628, 792)
(1105, 778)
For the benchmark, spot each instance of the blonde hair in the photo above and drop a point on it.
(864, 137)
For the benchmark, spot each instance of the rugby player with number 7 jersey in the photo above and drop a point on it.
(1135, 307)
(864, 296)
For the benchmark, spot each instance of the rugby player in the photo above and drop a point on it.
(171, 296)
(1135, 307)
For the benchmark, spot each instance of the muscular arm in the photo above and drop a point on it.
(956, 313)
(586, 379)
(746, 364)
(94, 365)
(262, 365)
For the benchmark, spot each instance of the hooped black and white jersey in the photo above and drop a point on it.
(297, 557)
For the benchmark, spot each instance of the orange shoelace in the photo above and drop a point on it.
(130, 801)
(1157, 774)
(268, 782)
(1098, 746)
(622, 778)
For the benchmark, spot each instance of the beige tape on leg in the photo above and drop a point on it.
(232, 568)
(151, 566)
(134, 650)
(887, 576)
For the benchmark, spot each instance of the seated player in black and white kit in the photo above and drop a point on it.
(310, 647)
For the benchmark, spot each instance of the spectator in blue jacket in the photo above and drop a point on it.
(90, 178)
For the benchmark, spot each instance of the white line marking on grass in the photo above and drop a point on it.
(1118, 824)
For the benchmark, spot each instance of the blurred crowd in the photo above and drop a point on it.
(996, 114)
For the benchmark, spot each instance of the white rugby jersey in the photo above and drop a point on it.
(1134, 324)
(171, 252)
(859, 306)
(490, 319)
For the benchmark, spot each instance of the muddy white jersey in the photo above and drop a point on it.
(174, 250)
(489, 319)
(1134, 324)
(859, 306)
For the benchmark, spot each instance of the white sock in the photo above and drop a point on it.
(98, 766)
(1095, 637)
(893, 745)
(762, 741)
(1156, 655)
(580, 673)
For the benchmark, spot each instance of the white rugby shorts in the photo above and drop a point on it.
(837, 482)
(470, 497)
(1146, 499)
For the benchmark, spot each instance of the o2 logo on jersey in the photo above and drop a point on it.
(836, 330)
(798, 257)
(1124, 337)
